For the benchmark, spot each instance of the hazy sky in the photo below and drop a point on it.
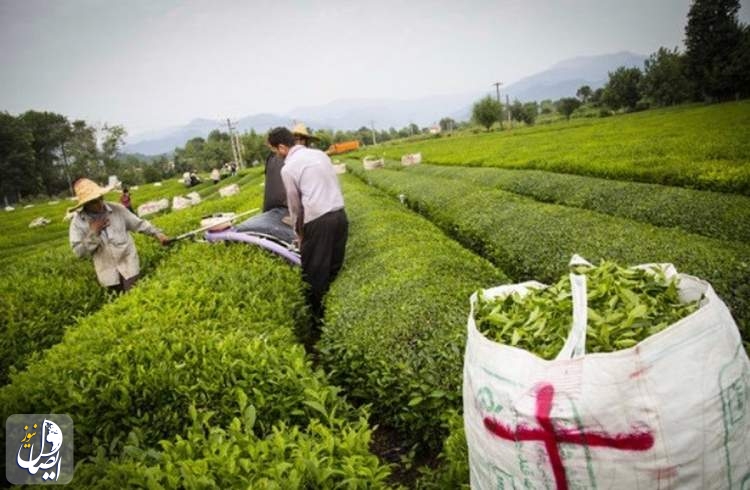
(148, 64)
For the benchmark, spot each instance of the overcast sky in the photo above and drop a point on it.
(148, 64)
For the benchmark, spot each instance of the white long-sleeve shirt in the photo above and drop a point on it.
(113, 248)
(312, 186)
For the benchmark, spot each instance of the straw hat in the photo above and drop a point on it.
(300, 129)
(87, 190)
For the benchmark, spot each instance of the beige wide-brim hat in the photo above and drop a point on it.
(87, 190)
(300, 129)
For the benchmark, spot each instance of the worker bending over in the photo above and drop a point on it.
(316, 209)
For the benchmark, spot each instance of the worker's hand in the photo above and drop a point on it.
(98, 225)
(297, 242)
(287, 220)
(163, 239)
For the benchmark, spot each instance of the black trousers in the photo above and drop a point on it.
(323, 249)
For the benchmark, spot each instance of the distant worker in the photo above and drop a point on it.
(100, 229)
(316, 208)
(125, 200)
(194, 179)
(215, 175)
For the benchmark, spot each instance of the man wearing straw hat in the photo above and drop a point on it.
(302, 136)
(100, 229)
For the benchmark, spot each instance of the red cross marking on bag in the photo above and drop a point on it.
(546, 432)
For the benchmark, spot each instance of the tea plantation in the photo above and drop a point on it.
(701, 147)
(199, 378)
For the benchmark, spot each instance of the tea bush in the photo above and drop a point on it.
(395, 317)
(532, 240)
(328, 455)
(711, 214)
(211, 331)
(452, 470)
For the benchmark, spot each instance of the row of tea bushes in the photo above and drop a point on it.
(207, 339)
(394, 328)
(711, 214)
(697, 146)
(532, 240)
(43, 294)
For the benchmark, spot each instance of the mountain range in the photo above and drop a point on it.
(561, 80)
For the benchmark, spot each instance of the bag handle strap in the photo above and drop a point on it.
(575, 344)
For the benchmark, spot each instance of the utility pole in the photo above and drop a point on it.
(497, 87)
(240, 149)
(372, 125)
(235, 153)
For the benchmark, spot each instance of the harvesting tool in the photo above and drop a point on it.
(267, 230)
(214, 222)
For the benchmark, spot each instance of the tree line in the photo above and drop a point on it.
(715, 67)
(44, 152)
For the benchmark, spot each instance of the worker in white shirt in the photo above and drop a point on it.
(316, 209)
(100, 229)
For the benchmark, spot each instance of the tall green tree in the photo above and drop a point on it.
(665, 81)
(254, 146)
(525, 113)
(49, 131)
(325, 138)
(486, 112)
(16, 157)
(447, 124)
(81, 154)
(713, 37)
(530, 112)
(216, 151)
(623, 88)
(583, 93)
(596, 97)
(567, 105)
(741, 62)
(190, 156)
(112, 139)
